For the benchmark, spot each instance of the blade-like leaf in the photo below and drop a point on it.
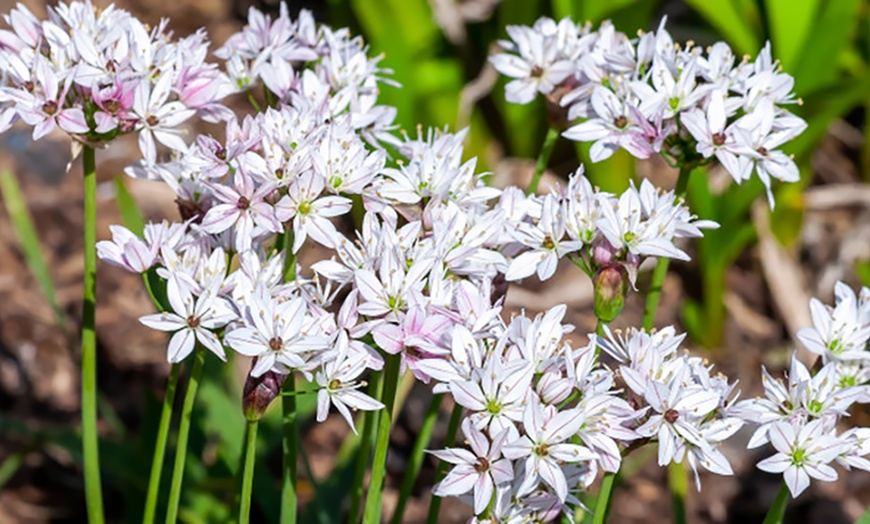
(790, 25)
(736, 21)
(130, 213)
(833, 33)
(29, 240)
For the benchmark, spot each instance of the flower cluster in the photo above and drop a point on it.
(549, 413)
(300, 62)
(97, 74)
(595, 229)
(649, 95)
(800, 419)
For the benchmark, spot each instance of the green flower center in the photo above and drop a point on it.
(493, 407)
(798, 457)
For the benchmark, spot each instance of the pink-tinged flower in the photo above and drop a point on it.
(275, 333)
(43, 108)
(311, 212)
(115, 103)
(803, 451)
(418, 337)
(610, 130)
(714, 138)
(243, 209)
(159, 118)
(192, 319)
(339, 385)
(27, 28)
(483, 469)
(546, 446)
(127, 251)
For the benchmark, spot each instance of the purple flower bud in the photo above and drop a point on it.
(603, 254)
(259, 392)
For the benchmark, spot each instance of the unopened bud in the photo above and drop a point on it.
(259, 392)
(603, 254)
(610, 289)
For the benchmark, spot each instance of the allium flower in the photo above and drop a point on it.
(546, 446)
(339, 385)
(192, 319)
(275, 333)
(648, 95)
(127, 251)
(310, 211)
(482, 469)
(803, 451)
(546, 239)
(242, 208)
(838, 334)
(541, 61)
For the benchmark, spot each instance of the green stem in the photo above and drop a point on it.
(661, 270)
(290, 445)
(543, 158)
(372, 513)
(678, 483)
(365, 446)
(248, 475)
(289, 257)
(449, 439)
(183, 433)
(160, 447)
(416, 460)
(605, 496)
(777, 511)
(90, 443)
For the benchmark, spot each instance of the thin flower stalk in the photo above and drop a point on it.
(90, 438)
(183, 434)
(452, 427)
(373, 507)
(543, 159)
(365, 446)
(160, 446)
(290, 446)
(248, 471)
(416, 460)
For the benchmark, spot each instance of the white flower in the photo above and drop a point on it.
(838, 334)
(802, 452)
(158, 117)
(275, 333)
(546, 446)
(192, 319)
(338, 384)
(537, 65)
(482, 469)
(311, 212)
(679, 411)
(546, 240)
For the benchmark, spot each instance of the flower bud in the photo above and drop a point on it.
(610, 291)
(259, 392)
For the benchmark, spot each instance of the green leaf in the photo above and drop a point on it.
(736, 21)
(131, 215)
(29, 240)
(790, 25)
(787, 218)
(863, 271)
(832, 34)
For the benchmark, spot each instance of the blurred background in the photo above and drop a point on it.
(741, 299)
